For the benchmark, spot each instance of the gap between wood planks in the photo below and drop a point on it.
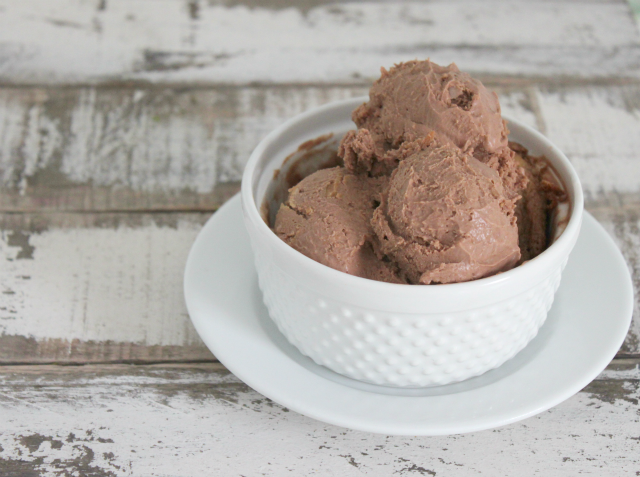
(619, 360)
(123, 362)
(182, 210)
(603, 204)
(620, 363)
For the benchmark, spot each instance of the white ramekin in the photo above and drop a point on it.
(389, 334)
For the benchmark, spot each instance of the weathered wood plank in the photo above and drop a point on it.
(175, 149)
(184, 149)
(108, 287)
(244, 41)
(149, 149)
(200, 420)
(82, 287)
(132, 149)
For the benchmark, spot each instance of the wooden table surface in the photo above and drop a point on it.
(124, 124)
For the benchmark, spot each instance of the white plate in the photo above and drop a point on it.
(585, 328)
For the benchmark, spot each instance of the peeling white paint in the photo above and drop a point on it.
(599, 130)
(182, 423)
(173, 141)
(47, 41)
(121, 284)
(169, 142)
(165, 141)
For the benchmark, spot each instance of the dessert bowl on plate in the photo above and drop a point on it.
(394, 334)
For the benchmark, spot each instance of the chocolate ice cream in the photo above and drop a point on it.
(327, 217)
(430, 190)
(539, 199)
(419, 98)
(446, 218)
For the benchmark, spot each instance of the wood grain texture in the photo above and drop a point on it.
(186, 420)
(131, 149)
(20, 349)
(168, 148)
(233, 42)
(108, 287)
(96, 287)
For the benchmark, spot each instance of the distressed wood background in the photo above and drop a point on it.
(125, 123)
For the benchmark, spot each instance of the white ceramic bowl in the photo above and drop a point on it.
(389, 334)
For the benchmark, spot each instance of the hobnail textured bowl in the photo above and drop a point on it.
(389, 334)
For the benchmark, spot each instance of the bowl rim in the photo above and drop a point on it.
(547, 258)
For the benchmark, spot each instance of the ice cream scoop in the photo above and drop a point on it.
(327, 217)
(446, 218)
(416, 99)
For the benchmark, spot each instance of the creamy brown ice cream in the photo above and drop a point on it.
(539, 199)
(446, 218)
(327, 217)
(430, 190)
(419, 98)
